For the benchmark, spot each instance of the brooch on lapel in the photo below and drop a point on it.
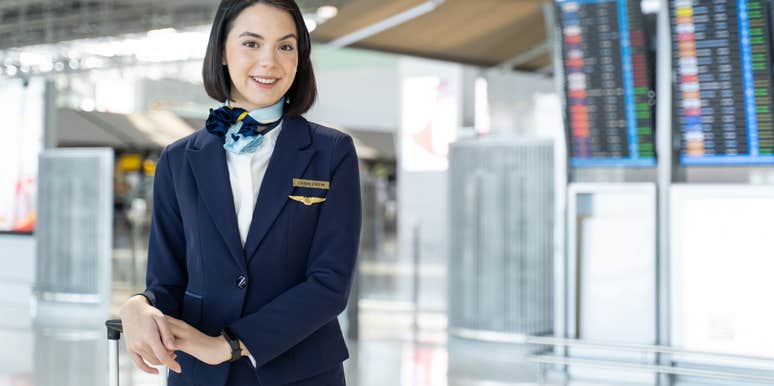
(307, 200)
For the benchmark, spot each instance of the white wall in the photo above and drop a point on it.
(422, 185)
(356, 89)
(513, 98)
(184, 98)
(18, 272)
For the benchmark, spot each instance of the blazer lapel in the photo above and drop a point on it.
(290, 158)
(208, 162)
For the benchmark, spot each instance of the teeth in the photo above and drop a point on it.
(263, 80)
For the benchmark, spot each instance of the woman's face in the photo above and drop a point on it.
(261, 52)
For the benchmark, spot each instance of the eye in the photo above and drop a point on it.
(287, 47)
(250, 44)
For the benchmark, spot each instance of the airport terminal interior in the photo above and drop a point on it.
(554, 192)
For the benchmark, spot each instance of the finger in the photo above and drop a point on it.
(166, 335)
(163, 355)
(174, 326)
(142, 365)
(149, 357)
(173, 321)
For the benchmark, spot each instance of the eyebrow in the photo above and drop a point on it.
(257, 36)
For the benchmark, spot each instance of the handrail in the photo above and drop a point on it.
(504, 337)
(720, 375)
(552, 341)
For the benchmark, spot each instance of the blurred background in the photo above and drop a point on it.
(570, 192)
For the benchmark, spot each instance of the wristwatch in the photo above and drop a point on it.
(233, 342)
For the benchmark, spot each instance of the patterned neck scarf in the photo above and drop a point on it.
(243, 131)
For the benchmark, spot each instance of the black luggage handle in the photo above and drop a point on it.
(114, 329)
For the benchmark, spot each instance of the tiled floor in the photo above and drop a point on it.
(74, 353)
(70, 349)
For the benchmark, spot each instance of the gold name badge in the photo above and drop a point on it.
(311, 184)
(307, 200)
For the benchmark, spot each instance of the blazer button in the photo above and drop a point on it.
(241, 281)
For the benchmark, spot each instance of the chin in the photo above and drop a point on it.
(263, 101)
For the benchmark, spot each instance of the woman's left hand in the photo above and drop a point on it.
(212, 350)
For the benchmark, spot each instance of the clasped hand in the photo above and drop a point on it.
(212, 350)
(153, 337)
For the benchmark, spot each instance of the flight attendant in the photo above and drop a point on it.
(256, 221)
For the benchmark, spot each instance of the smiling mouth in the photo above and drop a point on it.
(262, 80)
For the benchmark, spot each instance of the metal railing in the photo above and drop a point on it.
(542, 360)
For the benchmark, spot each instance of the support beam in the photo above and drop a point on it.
(527, 56)
(385, 24)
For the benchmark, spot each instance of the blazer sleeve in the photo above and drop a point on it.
(304, 308)
(166, 276)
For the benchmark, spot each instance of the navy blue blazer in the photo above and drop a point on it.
(280, 294)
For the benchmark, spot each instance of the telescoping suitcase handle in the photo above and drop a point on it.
(114, 330)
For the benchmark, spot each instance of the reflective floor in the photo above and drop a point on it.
(70, 348)
(63, 346)
(74, 353)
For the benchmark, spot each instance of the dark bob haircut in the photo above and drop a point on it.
(302, 93)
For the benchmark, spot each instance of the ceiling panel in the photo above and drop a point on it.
(357, 14)
(34, 22)
(480, 32)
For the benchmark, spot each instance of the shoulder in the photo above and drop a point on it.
(174, 152)
(327, 138)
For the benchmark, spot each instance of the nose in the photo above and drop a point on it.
(267, 56)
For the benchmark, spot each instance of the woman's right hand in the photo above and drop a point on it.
(147, 335)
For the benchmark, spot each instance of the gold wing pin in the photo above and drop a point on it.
(307, 200)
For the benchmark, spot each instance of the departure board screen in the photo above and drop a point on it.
(607, 83)
(723, 86)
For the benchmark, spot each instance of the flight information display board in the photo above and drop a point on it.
(723, 81)
(607, 83)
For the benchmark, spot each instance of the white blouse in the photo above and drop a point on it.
(245, 172)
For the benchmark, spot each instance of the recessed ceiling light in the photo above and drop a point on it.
(327, 11)
(161, 32)
(310, 23)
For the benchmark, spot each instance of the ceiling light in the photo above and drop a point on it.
(46, 67)
(92, 62)
(161, 32)
(88, 104)
(650, 6)
(327, 11)
(310, 24)
(31, 57)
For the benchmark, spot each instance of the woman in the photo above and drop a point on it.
(255, 221)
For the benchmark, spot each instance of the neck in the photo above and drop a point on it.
(266, 114)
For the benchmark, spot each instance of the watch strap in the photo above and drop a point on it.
(233, 342)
